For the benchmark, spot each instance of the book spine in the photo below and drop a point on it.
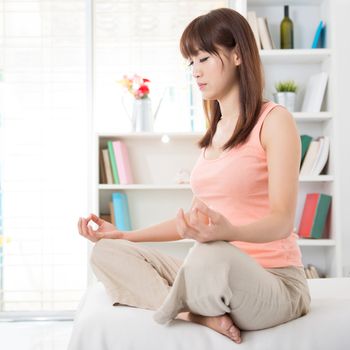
(107, 166)
(121, 211)
(111, 213)
(305, 143)
(113, 162)
(264, 35)
(103, 176)
(317, 35)
(323, 204)
(123, 164)
(308, 215)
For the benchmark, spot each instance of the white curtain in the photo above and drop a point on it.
(44, 153)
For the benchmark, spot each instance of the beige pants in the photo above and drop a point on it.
(214, 279)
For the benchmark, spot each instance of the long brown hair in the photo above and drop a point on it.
(227, 28)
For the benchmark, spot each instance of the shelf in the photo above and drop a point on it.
(292, 56)
(311, 117)
(317, 178)
(316, 242)
(282, 2)
(153, 135)
(144, 187)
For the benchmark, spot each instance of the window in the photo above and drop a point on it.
(45, 124)
(44, 153)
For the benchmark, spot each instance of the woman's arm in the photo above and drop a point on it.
(164, 231)
(281, 141)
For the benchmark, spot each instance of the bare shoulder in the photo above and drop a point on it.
(279, 124)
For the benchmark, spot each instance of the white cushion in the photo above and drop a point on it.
(100, 326)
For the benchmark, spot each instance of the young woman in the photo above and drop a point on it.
(244, 271)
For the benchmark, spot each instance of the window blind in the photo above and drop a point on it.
(44, 157)
(45, 124)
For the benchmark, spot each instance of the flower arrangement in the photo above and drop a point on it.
(136, 85)
(286, 86)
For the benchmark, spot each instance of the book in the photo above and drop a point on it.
(102, 174)
(314, 93)
(319, 38)
(107, 166)
(305, 143)
(314, 215)
(253, 22)
(121, 211)
(106, 217)
(310, 158)
(322, 156)
(307, 272)
(313, 271)
(113, 162)
(123, 164)
(111, 212)
(264, 34)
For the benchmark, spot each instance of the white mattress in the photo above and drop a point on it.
(100, 326)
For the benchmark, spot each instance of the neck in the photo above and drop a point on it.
(229, 106)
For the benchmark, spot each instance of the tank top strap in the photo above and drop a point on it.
(255, 134)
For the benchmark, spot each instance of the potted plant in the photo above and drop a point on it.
(285, 94)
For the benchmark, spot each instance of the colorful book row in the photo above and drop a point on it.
(313, 222)
(115, 165)
(314, 154)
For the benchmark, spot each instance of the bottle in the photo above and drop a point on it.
(286, 30)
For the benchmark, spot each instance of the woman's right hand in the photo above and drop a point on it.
(104, 230)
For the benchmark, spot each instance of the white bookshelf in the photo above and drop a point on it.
(156, 197)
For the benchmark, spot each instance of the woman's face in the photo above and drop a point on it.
(215, 78)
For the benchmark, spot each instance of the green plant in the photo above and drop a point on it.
(286, 86)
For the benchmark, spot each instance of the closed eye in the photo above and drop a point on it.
(201, 61)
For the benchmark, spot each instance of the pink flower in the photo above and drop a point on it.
(136, 85)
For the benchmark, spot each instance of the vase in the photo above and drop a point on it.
(286, 99)
(142, 116)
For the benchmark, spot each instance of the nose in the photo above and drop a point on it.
(196, 72)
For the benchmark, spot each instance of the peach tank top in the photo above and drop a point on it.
(236, 185)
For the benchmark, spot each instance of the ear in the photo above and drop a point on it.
(236, 58)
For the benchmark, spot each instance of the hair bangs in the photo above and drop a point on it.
(195, 38)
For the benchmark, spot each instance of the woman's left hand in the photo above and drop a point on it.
(214, 228)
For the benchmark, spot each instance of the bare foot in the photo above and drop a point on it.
(222, 324)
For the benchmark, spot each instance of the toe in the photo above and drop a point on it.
(235, 334)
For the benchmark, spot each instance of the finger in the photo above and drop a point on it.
(197, 224)
(84, 227)
(180, 225)
(186, 227)
(97, 220)
(205, 210)
(79, 227)
(94, 234)
(193, 219)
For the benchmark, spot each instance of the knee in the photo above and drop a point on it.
(104, 248)
(207, 255)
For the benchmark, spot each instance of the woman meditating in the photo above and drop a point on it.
(244, 271)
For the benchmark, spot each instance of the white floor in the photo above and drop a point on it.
(48, 335)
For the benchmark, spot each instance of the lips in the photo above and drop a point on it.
(201, 85)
